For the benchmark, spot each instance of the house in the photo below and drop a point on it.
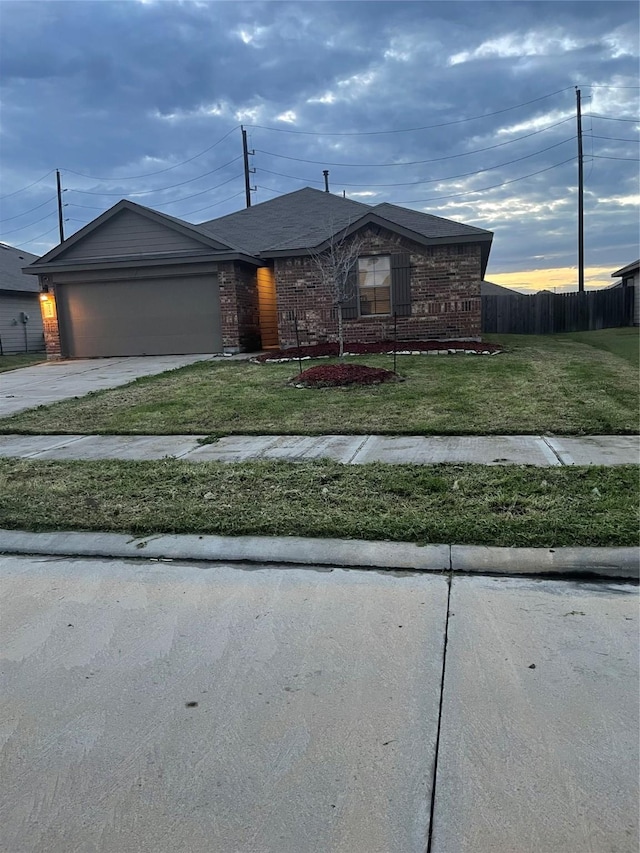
(138, 282)
(20, 321)
(630, 277)
(489, 288)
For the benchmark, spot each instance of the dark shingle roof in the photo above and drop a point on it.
(425, 224)
(307, 217)
(299, 219)
(11, 262)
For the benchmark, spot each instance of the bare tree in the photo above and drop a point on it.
(336, 265)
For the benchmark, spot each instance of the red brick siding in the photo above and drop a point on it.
(445, 295)
(239, 307)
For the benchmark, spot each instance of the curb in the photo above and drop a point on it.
(612, 563)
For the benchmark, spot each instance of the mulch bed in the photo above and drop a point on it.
(340, 375)
(329, 350)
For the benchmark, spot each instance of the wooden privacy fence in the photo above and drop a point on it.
(546, 313)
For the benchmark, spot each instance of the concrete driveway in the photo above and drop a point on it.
(166, 706)
(51, 381)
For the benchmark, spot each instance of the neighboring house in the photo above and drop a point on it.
(630, 277)
(138, 282)
(488, 288)
(20, 321)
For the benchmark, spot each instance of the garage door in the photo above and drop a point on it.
(164, 316)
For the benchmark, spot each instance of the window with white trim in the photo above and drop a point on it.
(374, 285)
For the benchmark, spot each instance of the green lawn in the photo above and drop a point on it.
(510, 506)
(12, 362)
(564, 384)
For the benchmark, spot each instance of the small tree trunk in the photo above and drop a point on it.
(340, 332)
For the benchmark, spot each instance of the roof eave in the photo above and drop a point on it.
(632, 267)
(159, 259)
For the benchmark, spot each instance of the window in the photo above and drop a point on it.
(374, 285)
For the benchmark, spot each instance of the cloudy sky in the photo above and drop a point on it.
(466, 110)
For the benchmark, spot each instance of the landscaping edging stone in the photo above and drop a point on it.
(606, 563)
(330, 350)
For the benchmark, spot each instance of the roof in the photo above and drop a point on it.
(218, 248)
(489, 288)
(630, 268)
(11, 262)
(292, 223)
(308, 217)
(300, 220)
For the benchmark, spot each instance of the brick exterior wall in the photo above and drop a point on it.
(50, 327)
(445, 295)
(239, 307)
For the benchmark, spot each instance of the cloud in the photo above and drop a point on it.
(119, 89)
(514, 45)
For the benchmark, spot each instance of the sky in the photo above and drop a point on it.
(465, 110)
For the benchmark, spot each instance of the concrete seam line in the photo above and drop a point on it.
(358, 449)
(553, 450)
(432, 806)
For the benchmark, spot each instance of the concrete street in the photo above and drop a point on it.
(157, 706)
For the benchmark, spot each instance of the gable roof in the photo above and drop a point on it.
(172, 222)
(302, 218)
(630, 268)
(11, 262)
(289, 224)
(308, 217)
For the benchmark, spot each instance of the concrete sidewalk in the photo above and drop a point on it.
(348, 449)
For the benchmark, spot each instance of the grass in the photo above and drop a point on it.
(512, 505)
(13, 362)
(563, 384)
(625, 343)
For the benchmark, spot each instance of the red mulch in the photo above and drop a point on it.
(331, 349)
(332, 375)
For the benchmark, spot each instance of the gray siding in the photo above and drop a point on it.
(161, 316)
(12, 331)
(128, 233)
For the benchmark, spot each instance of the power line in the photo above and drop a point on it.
(614, 138)
(15, 192)
(415, 162)
(589, 86)
(410, 129)
(22, 228)
(160, 171)
(215, 204)
(430, 180)
(193, 195)
(603, 157)
(24, 212)
(611, 118)
(484, 189)
(161, 189)
(39, 237)
(456, 195)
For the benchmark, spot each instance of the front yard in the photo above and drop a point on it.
(564, 384)
(13, 362)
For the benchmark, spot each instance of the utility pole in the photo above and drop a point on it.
(325, 172)
(60, 216)
(247, 170)
(580, 198)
